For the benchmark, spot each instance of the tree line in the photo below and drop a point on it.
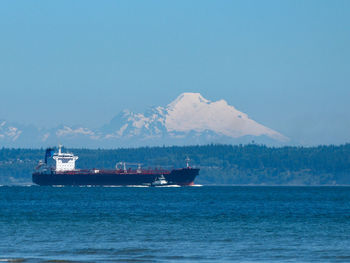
(220, 164)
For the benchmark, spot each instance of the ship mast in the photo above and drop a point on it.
(187, 162)
(59, 149)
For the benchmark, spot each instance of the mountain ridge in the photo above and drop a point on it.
(190, 118)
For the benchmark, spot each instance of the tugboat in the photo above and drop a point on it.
(160, 181)
(65, 173)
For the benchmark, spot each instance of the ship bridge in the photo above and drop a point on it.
(64, 161)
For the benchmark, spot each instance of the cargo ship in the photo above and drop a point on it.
(64, 173)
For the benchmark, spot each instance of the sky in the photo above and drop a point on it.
(284, 63)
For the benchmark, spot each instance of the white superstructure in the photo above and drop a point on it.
(64, 161)
(160, 181)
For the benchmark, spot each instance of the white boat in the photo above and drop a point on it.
(160, 181)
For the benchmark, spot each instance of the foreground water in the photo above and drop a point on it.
(191, 224)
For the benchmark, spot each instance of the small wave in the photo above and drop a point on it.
(136, 186)
(185, 258)
(135, 251)
(95, 251)
(17, 185)
(12, 259)
(196, 185)
(58, 261)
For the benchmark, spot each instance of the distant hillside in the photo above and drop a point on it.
(190, 118)
(220, 164)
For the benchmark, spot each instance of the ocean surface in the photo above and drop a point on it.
(188, 224)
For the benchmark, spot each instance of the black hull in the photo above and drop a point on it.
(182, 177)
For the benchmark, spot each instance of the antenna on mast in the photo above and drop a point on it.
(187, 162)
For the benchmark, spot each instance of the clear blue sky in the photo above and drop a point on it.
(284, 63)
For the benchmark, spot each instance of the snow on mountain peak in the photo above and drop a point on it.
(68, 131)
(192, 112)
(9, 131)
(189, 119)
(188, 113)
(188, 98)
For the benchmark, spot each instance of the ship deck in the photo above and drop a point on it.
(106, 171)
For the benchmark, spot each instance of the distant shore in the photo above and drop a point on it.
(237, 165)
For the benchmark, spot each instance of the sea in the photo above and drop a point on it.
(180, 224)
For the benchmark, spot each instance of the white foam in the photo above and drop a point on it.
(170, 185)
(137, 186)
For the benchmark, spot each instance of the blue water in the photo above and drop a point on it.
(190, 224)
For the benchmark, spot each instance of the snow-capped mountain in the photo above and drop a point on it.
(9, 131)
(189, 119)
(192, 112)
(188, 116)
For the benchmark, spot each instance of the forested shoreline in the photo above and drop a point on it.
(220, 164)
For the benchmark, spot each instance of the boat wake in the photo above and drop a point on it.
(170, 185)
(137, 186)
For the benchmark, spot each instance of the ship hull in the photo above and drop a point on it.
(181, 177)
